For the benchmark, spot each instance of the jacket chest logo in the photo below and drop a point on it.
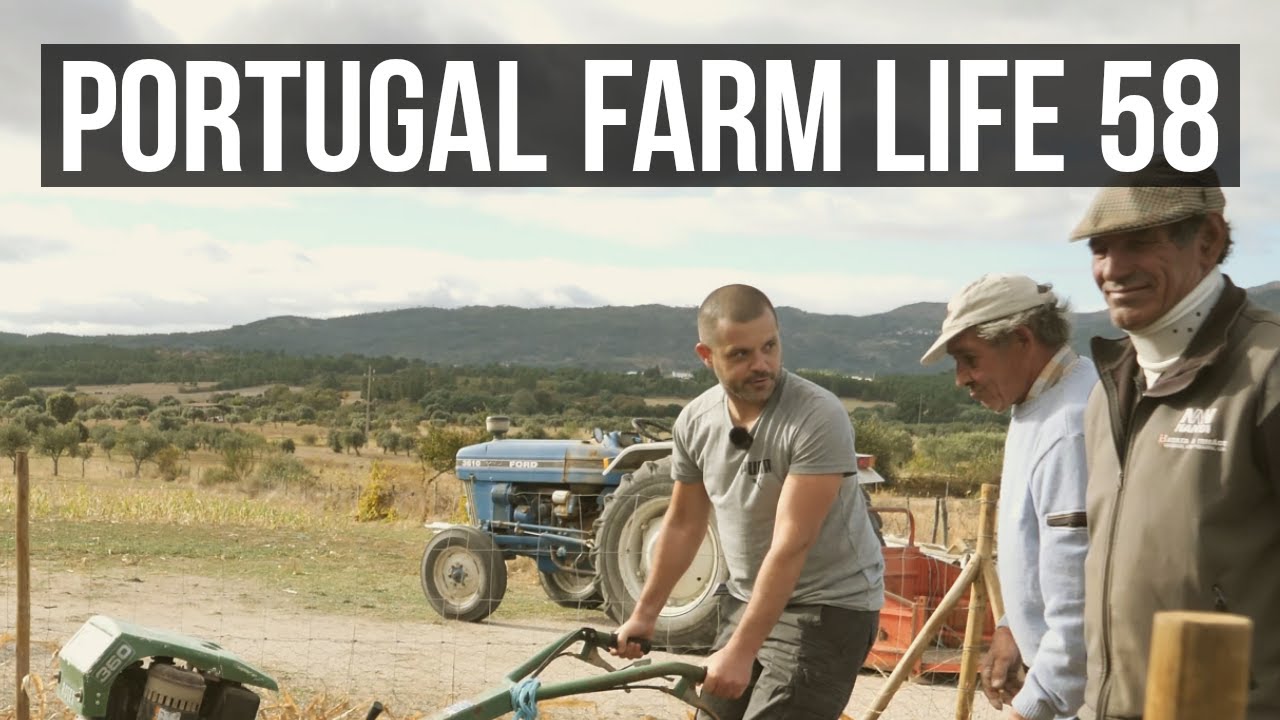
(1196, 421)
(1190, 430)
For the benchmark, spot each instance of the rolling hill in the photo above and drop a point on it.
(605, 338)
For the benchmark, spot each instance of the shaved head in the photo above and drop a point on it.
(735, 303)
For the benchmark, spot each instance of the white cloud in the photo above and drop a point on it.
(191, 22)
(27, 25)
(664, 219)
(63, 272)
(141, 279)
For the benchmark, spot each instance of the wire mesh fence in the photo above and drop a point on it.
(336, 640)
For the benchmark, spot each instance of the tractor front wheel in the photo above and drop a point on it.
(626, 538)
(464, 575)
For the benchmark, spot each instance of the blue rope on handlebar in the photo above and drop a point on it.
(524, 698)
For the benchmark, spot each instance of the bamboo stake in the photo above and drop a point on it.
(992, 580)
(931, 626)
(977, 621)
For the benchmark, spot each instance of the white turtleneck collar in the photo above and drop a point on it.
(1160, 344)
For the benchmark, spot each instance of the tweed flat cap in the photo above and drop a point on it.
(1154, 197)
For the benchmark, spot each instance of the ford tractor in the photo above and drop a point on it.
(588, 512)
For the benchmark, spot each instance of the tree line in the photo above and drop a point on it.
(440, 392)
(921, 422)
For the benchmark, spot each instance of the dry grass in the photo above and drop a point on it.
(107, 491)
(851, 404)
(961, 523)
(156, 391)
(666, 401)
(163, 505)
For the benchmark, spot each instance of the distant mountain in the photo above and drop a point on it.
(606, 338)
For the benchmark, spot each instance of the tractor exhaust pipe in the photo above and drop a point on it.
(498, 426)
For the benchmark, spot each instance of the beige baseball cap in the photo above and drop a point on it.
(1155, 196)
(988, 298)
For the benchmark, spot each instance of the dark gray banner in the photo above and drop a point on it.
(635, 115)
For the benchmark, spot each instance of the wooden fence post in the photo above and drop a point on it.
(22, 651)
(1199, 667)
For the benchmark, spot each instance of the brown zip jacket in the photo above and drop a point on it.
(1184, 501)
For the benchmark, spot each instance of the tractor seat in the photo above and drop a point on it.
(628, 439)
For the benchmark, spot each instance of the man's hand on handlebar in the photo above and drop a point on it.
(629, 636)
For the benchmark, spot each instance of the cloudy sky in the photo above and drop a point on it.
(88, 261)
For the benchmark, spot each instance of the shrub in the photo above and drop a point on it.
(892, 445)
(971, 456)
(376, 497)
(14, 438)
(167, 461)
(141, 443)
(216, 476)
(240, 452)
(22, 401)
(105, 437)
(389, 441)
(533, 431)
(438, 448)
(283, 472)
(354, 439)
(34, 420)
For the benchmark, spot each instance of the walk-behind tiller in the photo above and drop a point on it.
(522, 689)
(116, 670)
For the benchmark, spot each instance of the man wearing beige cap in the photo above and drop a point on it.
(1183, 436)
(1008, 336)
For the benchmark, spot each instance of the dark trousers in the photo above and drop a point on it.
(806, 667)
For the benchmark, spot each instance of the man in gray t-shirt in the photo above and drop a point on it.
(772, 454)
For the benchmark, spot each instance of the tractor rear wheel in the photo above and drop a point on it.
(463, 574)
(626, 538)
(571, 590)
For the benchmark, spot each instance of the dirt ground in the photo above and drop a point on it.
(414, 668)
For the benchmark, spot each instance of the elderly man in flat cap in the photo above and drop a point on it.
(1008, 336)
(1183, 438)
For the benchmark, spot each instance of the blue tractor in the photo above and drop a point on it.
(588, 511)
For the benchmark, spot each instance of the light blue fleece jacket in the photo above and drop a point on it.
(1042, 543)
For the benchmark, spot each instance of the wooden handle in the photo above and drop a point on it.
(1199, 666)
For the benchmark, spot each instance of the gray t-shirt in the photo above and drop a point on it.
(803, 430)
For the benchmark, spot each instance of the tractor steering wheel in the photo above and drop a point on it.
(651, 429)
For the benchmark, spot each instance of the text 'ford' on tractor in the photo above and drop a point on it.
(588, 511)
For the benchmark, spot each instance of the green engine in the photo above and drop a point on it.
(117, 670)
